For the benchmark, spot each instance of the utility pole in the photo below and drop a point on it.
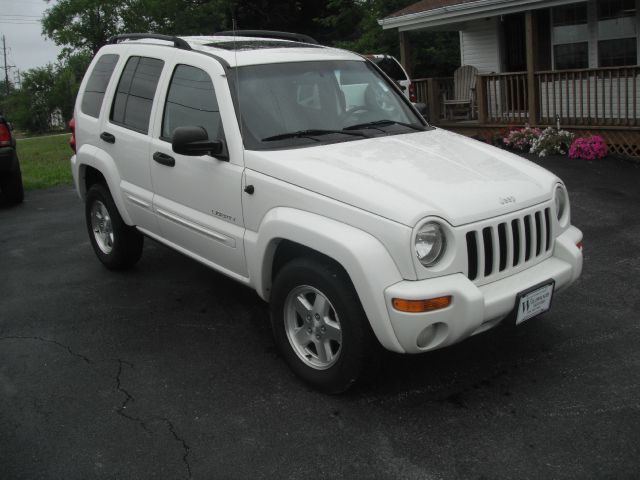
(6, 67)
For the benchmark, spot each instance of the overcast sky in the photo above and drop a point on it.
(26, 47)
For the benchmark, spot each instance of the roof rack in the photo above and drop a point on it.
(296, 37)
(177, 41)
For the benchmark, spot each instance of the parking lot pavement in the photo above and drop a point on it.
(169, 370)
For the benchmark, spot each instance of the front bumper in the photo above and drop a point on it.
(475, 309)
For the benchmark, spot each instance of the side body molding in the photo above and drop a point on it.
(365, 259)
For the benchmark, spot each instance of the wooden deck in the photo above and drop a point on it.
(604, 101)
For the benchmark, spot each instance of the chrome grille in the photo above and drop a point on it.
(505, 245)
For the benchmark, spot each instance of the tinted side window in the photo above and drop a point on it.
(391, 68)
(97, 85)
(134, 95)
(191, 101)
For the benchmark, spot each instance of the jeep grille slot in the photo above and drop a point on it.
(497, 248)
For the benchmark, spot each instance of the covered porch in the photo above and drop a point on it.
(539, 63)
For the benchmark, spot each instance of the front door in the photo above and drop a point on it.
(197, 199)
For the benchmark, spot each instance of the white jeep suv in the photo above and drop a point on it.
(303, 172)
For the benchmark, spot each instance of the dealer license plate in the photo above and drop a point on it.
(534, 303)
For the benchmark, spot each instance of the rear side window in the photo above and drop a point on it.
(391, 67)
(97, 85)
(134, 95)
(191, 101)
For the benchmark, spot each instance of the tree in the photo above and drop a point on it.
(83, 25)
(32, 106)
(355, 23)
(68, 76)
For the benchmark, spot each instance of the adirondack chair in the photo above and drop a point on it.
(464, 79)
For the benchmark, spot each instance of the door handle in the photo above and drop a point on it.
(107, 137)
(163, 159)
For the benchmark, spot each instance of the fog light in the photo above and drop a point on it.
(432, 336)
(420, 306)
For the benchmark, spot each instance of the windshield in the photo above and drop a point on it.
(305, 103)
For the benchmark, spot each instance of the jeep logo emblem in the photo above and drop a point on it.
(505, 200)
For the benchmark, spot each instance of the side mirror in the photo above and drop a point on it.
(194, 141)
(422, 109)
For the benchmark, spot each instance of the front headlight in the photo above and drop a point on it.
(430, 243)
(561, 199)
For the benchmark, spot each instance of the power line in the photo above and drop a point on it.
(19, 23)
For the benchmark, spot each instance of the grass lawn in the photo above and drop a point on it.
(45, 161)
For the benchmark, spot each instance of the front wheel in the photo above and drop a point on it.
(319, 325)
(117, 245)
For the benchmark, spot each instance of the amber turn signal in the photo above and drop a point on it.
(420, 306)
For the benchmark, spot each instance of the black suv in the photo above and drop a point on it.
(11, 190)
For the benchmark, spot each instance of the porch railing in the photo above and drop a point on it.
(591, 97)
(433, 91)
(502, 98)
(599, 96)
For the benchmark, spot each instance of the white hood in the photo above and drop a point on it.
(408, 177)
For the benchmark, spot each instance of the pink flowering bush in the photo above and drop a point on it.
(589, 148)
(522, 139)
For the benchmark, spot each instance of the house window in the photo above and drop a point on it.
(574, 14)
(570, 35)
(610, 9)
(617, 34)
(571, 55)
(617, 53)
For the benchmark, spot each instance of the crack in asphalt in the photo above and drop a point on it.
(185, 447)
(127, 397)
(53, 342)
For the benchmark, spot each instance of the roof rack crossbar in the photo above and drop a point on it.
(296, 37)
(177, 41)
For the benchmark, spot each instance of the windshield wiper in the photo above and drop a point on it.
(382, 123)
(311, 133)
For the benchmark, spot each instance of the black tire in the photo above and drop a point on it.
(11, 187)
(359, 349)
(124, 247)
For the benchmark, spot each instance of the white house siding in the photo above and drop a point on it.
(479, 45)
(605, 98)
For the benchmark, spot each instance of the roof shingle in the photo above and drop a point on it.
(426, 5)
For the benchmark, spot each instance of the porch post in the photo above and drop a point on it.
(433, 100)
(405, 52)
(532, 91)
(481, 97)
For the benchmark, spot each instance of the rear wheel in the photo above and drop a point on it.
(319, 325)
(117, 245)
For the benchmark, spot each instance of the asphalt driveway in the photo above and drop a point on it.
(170, 371)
